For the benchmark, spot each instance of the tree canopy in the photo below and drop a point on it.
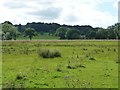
(30, 32)
(61, 32)
(9, 31)
(72, 34)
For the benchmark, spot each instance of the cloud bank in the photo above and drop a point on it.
(97, 13)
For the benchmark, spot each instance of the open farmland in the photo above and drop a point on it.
(83, 64)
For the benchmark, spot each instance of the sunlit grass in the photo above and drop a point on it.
(83, 64)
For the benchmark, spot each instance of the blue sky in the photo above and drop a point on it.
(97, 13)
(108, 7)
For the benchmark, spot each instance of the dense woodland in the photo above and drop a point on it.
(10, 31)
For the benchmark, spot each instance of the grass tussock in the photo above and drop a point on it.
(46, 53)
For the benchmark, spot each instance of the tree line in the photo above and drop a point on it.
(10, 31)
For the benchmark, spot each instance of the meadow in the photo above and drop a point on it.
(83, 64)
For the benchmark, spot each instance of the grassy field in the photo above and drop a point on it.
(83, 64)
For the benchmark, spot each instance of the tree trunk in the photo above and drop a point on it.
(30, 37)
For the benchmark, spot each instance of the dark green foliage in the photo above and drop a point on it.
(114, 31)
(46, 53)
(30, 32)
(83, 29)
(7, 36)
(91, 34)
(21, 28)
(9, 32)
(72, 34)
(61, 32)
(43, 27)
(102, 34)
(8, 22)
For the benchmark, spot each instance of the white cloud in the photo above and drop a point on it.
(81, 12)
(115, 5)
(86, 13)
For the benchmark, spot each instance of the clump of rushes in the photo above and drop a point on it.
(46, 53)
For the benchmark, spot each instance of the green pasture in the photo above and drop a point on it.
(83, 64)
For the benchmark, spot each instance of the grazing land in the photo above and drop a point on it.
(82, 64)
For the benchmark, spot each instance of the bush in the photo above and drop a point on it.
(46, 53)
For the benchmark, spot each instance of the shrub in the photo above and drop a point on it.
(46, 53)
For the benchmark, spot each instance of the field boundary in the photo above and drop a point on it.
(59, 40)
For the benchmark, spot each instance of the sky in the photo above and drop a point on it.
(97, 13)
